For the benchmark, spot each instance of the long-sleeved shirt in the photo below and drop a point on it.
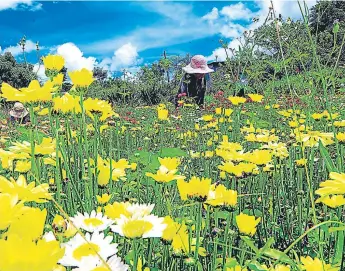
(195, 88)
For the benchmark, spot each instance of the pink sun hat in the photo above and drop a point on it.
(198, 64)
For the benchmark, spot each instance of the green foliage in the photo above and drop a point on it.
(16, 74)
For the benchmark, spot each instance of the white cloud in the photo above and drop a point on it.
(167, 32)
(231, 13)
(74, 57)
(124, 57)
(286, 8)
(218, 54)
(13, 4)
(232, 30)
(40, 71)
(236, 12)
(17, 50)
(211, 16)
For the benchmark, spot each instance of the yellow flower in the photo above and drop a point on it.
(82, 78)
(247, 224)
(23, 166)
(59, 224)
(172, 228)
(228, 112)
(236, 268)
(293, 124)
(43, 112)
(26, 255)
(103, 199)
(133, 166)
(259, 157)
(317, 116)
(28, 224)
(256, 97)
(334, 186)
(33, 93)
(9, 210)
(196, 188)
(238, 170)
(280, 267)
(105, 174)
(222, 175)
(116, 209)
(237, 100)
(333, 202)
(339, 123)
(58, 80)
(341, 137)
(164, 175)
(54, 62)
(181, 244)
(162, 113)
(207, 117)
(310, 264)
(301, 162)
(218, 111)
(101, 107)
(25, 192)
(221, 196)
(170, 163)
(312, 138)
(67, 103)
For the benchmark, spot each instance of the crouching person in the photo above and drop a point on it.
(195, 80)
(19, 114)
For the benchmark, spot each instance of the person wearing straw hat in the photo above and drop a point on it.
(194, 81)
(19, 113)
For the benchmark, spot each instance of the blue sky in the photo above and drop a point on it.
(118, 35)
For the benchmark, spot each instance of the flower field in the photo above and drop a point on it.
(249, 183)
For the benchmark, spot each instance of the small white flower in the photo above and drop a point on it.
(113, 264)
(78, 249)
(49, 236)
(140, 210)
(95, 222)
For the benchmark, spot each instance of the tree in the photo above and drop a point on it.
(18, 75)
(323, 17)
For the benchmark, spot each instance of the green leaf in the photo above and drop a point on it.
(340, 246)
(336, 28)
(335, 229)
(250, 243)
(255, 266)
(328, 160)
(172, 152)
(277, 255)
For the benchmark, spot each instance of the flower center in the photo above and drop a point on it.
(85, 250)
(100, 268)
(136, 228)
(93, 222)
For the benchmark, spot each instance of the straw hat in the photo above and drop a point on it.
(18, 111)
(198, 64)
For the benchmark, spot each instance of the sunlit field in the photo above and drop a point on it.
(249, 183)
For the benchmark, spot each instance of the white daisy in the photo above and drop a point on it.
(95, 222)
(140, 210)
(77, 249)
(49, 236)
(113, 264)
(140, 227)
